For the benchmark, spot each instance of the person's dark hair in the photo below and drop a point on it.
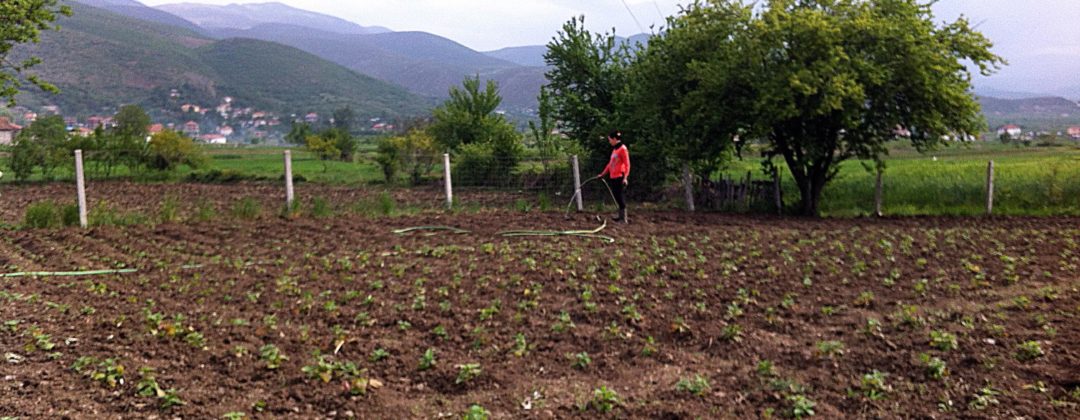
(615, 134)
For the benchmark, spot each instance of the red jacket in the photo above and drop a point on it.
(619, 166)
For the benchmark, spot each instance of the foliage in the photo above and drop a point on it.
(605, 399)
(830, 81)
(22, 23)
(696, 385)
(587, 73)
(476, 412)
(299, 134)
(44, 144)
(469, 115)
(322, 147)
(414, 153)
(468, 123)
(671, 112)
(169, 149)
(550, 146)
(47, 214)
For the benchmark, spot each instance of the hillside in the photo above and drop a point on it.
(1033, 114)
(101, 60)
(134, 9)
(424, 64)
(246, 16)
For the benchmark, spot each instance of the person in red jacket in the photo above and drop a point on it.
(618, 170)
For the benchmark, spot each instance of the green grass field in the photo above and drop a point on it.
(951, 181)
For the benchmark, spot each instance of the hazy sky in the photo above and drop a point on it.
(486, 24)
(1040, 38)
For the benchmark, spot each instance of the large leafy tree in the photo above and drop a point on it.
(832, 80)
(680, 112)
(587, 76)
(21, 21)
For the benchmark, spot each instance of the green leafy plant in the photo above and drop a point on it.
(1029, 350)
(604, 399)
(943, 341)
(467, 373)
(581, 360)
(272, 355)
(378, 355)
(801, 406)
(830, 349)
(874, 386)
(696, 385)
(476, 412)
(427, 360)
(935, 367)
(108, 371)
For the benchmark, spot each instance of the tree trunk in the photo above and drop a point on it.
(810, 187)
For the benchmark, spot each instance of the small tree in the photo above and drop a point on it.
(169, 149)
(44, 144)
(469, 115)
(414, 152)
(299, 133)
(468, 118)
(324, 148)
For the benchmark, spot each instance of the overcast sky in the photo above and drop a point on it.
(1040, 38)
(486, 24)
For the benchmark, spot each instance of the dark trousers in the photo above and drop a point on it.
(619, 190)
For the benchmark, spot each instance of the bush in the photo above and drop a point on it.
(476, 166)
(169, 149)
(247, 208)
(43, 215)
(227, 176)
(414, 153)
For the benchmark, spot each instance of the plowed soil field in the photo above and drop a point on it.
(683, 316)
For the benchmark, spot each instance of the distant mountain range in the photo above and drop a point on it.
(423, 63)
(120, 51)
(246, 16)
(1033, 114)
(122, 54)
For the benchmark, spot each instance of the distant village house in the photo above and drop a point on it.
(1012, 130)
(191, 128)
(8, 131)
(1074, 132)
(213, 139)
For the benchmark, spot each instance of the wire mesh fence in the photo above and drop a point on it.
(529, 184)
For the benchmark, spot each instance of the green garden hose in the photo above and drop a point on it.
(450, 229)
(594, 234)
(578, 192)
(69, 273)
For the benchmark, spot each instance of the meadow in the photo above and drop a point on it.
(1029, 180)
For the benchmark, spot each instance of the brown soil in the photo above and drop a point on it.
(673, 283)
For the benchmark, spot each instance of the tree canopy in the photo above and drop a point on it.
(810, 82)
(22, 22)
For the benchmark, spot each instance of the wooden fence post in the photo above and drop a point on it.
(447, 182)
(878, 194)
(80, 185)
(289, 192)
(688, 182)
(577, 184)
(990, 189)
(777, 192)
(747, 190)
